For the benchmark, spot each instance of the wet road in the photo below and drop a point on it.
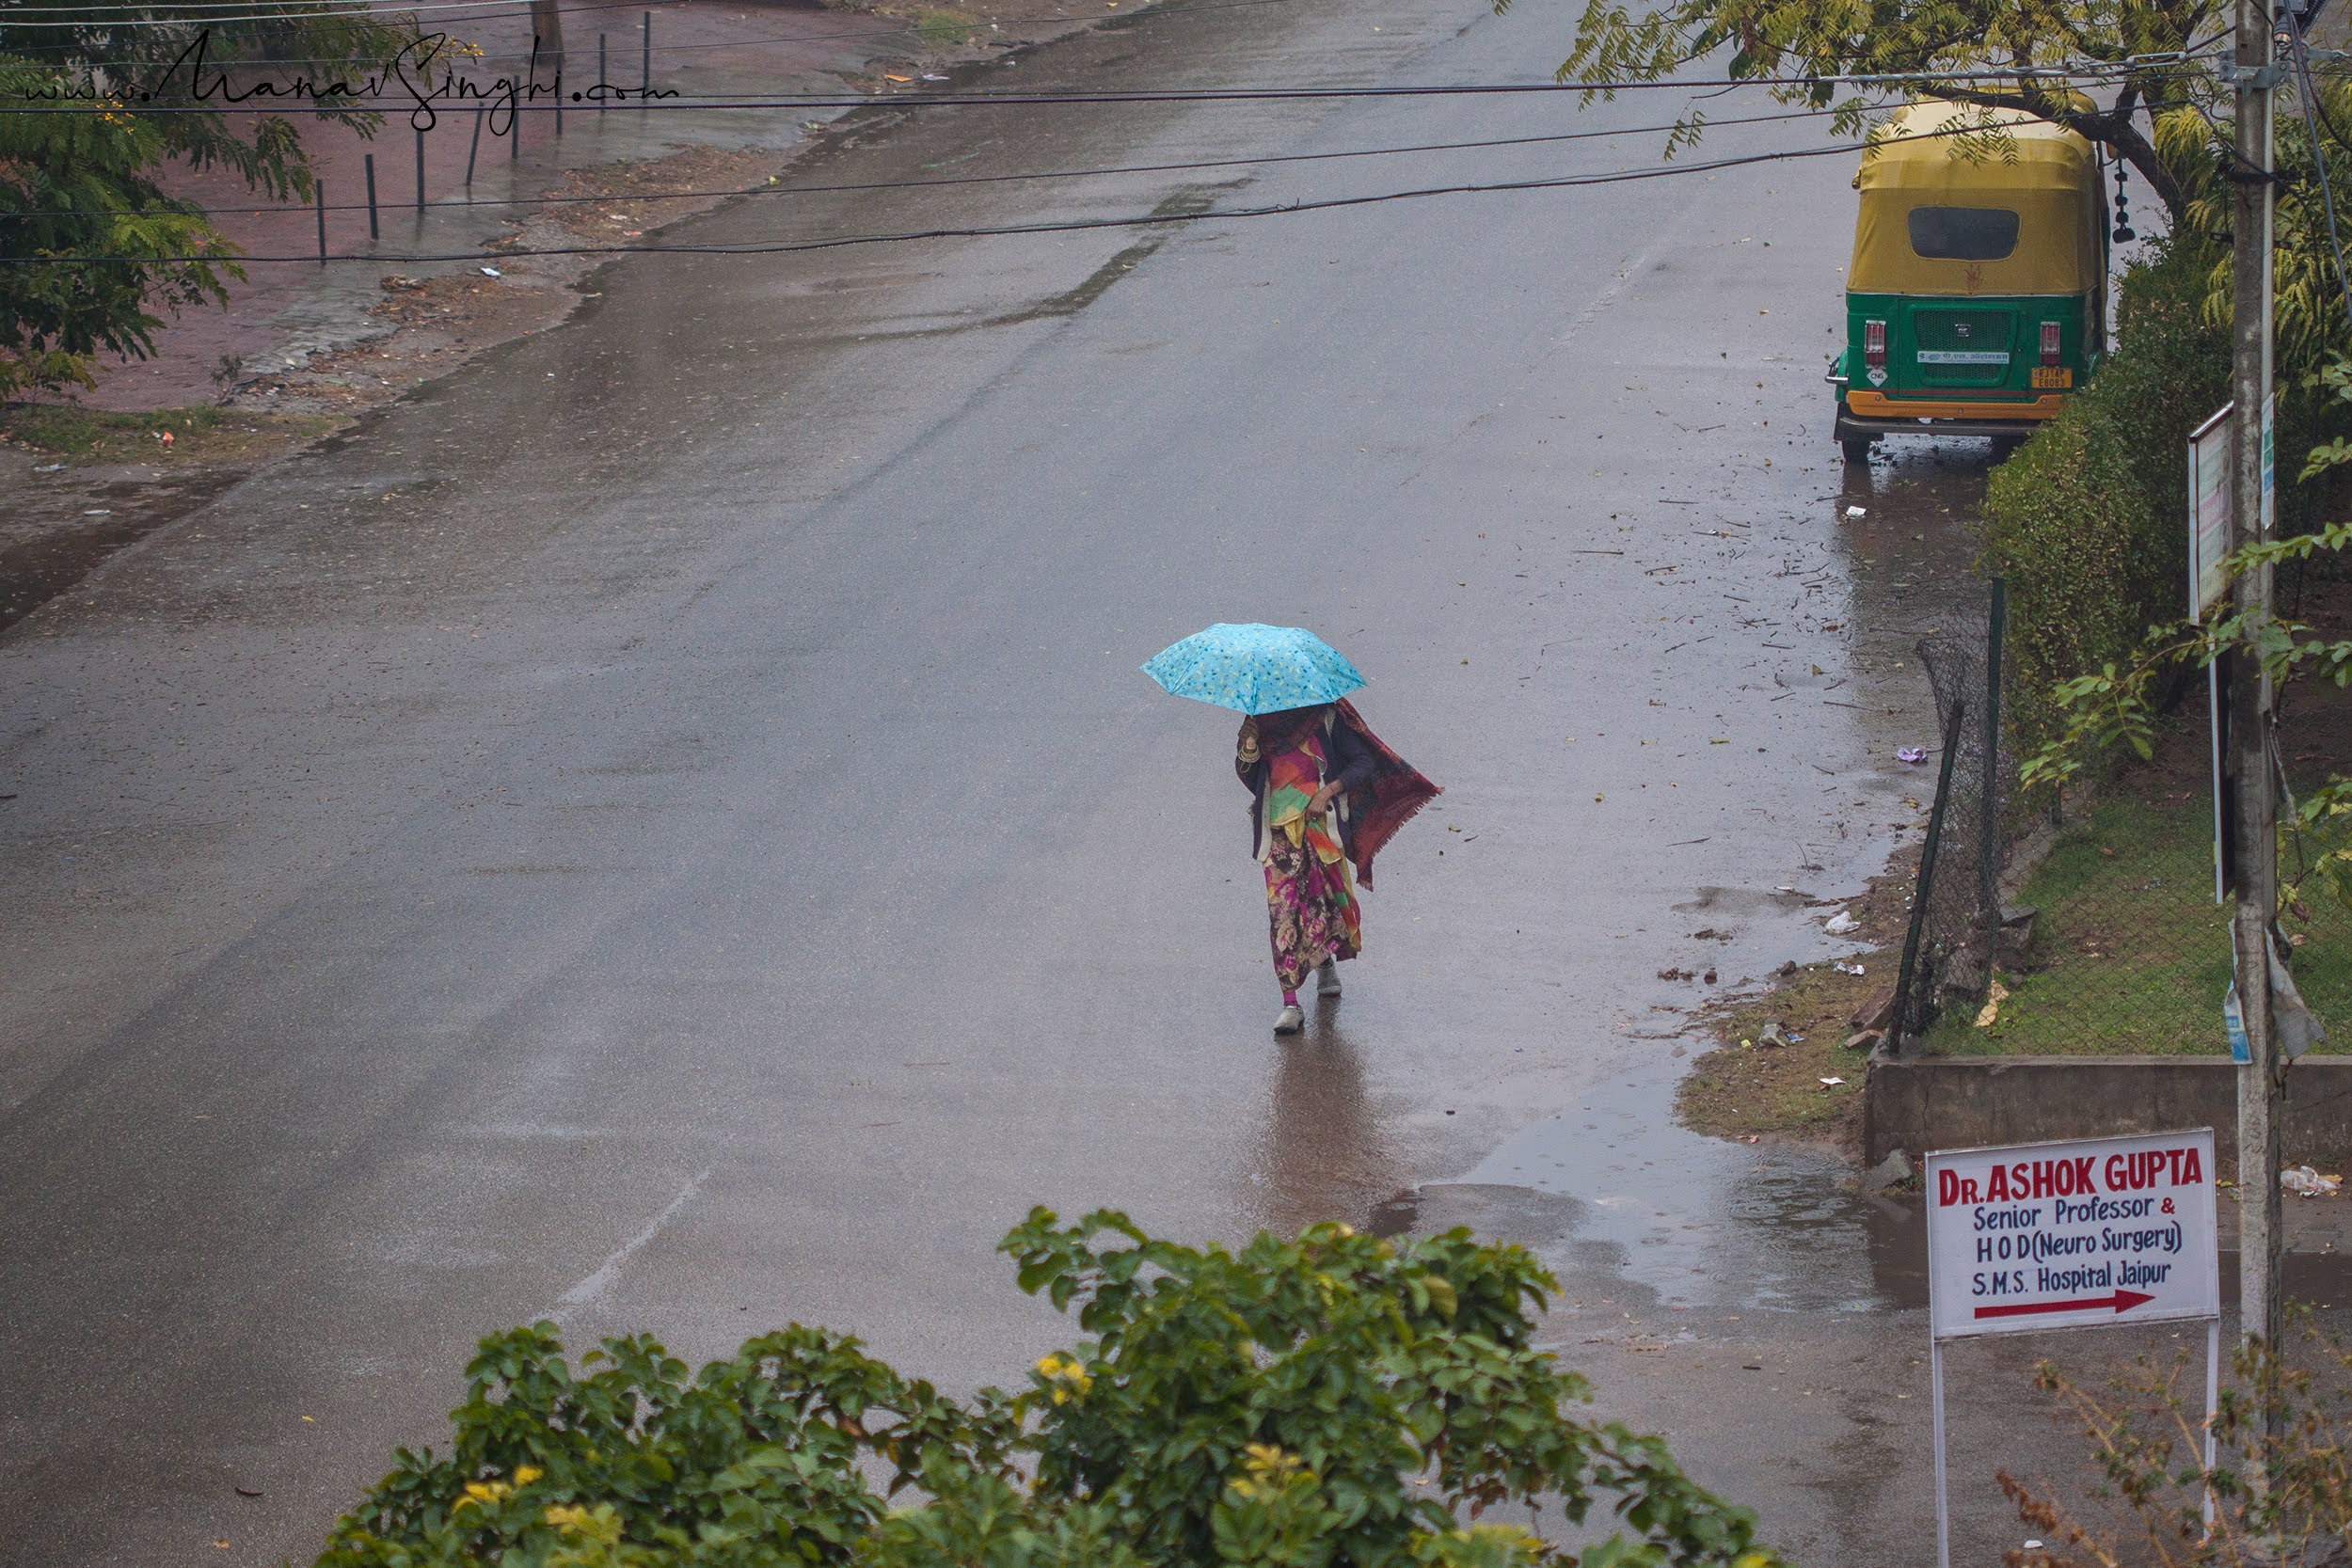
(663, 829)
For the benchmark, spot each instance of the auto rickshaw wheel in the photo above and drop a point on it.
(1857, 449)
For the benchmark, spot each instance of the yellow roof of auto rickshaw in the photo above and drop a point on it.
(1927, 157)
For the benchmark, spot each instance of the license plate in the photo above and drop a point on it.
(2052, 376)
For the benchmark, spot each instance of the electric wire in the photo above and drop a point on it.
(624, 200)
(670, 7)
(2306, 92)
(1194, 95)
(984, 232)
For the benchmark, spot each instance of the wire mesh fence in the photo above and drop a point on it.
(2099, 932)
(1955, 942)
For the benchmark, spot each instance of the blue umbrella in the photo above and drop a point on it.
(1254, 669)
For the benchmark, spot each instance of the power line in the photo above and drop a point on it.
(229, 11)
(220, 10)
(668, 7)
(1191, 95)
(2308, 93)
(1060, 226)
(623, 199)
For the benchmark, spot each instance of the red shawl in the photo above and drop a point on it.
(1396, 792)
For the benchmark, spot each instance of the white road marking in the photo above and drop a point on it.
(598, 1283)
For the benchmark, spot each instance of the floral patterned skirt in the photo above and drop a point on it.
(1311, 907)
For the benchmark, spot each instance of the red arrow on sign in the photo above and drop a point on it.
(2123, 1301)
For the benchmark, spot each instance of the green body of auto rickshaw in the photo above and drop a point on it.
(1976, 301)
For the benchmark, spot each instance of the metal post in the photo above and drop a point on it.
(318, 189)
(1989, 798)
(475, 150)
(602, 76)
(644, 78)
(2259, 1097)
(419, 172)
(372, 232)
(1943, 1497)
(1907, 977)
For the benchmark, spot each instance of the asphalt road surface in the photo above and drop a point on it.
(663, 829)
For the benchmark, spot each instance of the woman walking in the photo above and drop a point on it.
(1324, 791)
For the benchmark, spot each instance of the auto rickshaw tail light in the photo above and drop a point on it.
(2049, 342)
(1874, 344)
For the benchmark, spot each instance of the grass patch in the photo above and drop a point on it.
(2130, 954)
(200, 431)
(945, 29)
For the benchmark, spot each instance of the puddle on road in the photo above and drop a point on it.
(1611, 1193)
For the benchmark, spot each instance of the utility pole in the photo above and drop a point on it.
(2261, 1100)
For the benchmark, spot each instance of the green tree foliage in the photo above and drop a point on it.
(2167, 121)
(2308, 321)
(1942, 45)
(96, 104)
(1331, 1402)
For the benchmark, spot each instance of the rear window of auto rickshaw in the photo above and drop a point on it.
(1964, 234)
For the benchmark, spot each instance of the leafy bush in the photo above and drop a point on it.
(1321, 1402)
(2088, 521)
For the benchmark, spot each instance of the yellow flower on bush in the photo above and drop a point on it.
(1266, 1471)
(1067, 1377)
(483, 1492)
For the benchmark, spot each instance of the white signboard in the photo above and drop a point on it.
(2208, 513)
(2102, 1232)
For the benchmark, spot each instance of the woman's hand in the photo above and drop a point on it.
(1322, 799)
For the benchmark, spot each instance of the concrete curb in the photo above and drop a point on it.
(1928, 1103)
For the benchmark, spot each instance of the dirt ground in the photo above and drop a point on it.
(1766, 1077)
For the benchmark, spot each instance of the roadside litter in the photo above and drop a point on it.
(1831, 1083)
(1849, 968)
(491, 272)
(1910, 753)
(2309, 1183)
(1856, 510)
(1841, 922)
(1771, 1038)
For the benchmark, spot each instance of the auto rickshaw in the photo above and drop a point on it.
(1976, 301)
